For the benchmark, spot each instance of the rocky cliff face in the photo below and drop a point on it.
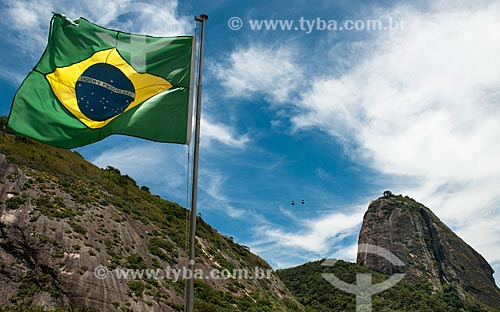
(430, 250)
(61, 218)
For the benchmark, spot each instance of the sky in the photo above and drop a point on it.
(328, 111)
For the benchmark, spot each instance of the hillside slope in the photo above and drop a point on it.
(317, 295)
(61, 218)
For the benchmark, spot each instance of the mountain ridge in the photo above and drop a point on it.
(62, 218)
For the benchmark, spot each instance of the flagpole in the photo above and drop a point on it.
(189, 295)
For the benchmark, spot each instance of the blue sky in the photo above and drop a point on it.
(331, 117)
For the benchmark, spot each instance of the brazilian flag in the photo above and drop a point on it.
(92, 82)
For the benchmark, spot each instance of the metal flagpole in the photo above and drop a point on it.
(189, 295)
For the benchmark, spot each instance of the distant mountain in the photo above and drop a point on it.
(61, 218)
(443, 273)
(431, 251)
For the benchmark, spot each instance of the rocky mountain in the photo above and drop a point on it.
(67, 228)
(431, 252)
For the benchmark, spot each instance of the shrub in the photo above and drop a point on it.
(14, 202)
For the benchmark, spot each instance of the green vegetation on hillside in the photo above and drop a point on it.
(27, 309)
(318, 295)
(62, 187)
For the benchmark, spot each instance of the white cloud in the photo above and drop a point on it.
(317, 237)
(318, 234)
(346, 253)
(28, 18)
(213, 185)
(213, 131)
(258, 69)
(152, 18)
(422, 106)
